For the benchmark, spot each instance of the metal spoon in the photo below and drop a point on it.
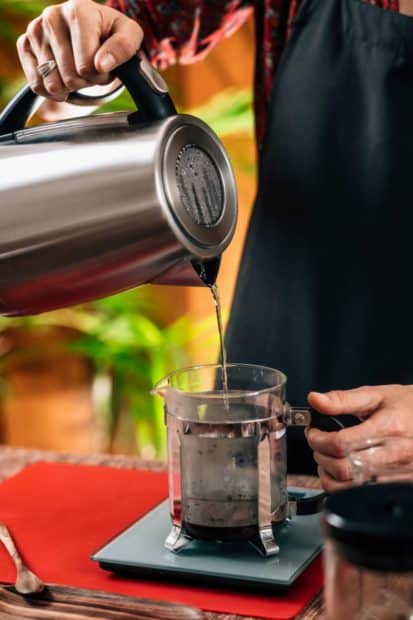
(26, 581)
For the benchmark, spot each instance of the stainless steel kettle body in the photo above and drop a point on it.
(93, 206)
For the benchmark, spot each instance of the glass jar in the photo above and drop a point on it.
(368, 553)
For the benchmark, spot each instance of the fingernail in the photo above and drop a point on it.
(321, 396)
(108, 62)
(308, 432)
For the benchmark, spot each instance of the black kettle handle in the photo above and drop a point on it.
(146, 87)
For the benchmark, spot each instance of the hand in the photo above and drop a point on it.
(87, 40)
(386, 411)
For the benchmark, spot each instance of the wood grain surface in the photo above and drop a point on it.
(63, 603)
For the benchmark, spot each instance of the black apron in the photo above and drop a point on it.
(325, 291)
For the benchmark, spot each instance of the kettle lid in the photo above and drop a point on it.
(372, 525)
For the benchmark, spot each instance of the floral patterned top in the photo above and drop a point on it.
(185, 31)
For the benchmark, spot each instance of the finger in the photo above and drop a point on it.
(386, 460)
(360, 401)
(338, 444)
(338, 468)
(85, 30)
(124, 41)
(329, 484)
(29, 65)
(394, 450)
(61, 46)
(53, 83)
(37, 37)
(376, 455)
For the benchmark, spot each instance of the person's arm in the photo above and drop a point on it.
(386, 411)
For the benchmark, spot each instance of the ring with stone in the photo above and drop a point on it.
(46, 68)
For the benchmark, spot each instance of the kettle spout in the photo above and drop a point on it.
(207, 270)
(191, 273)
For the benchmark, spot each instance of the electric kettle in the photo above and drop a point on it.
(93, 206)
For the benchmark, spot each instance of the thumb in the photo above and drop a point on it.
(360, 401)
(123, 41)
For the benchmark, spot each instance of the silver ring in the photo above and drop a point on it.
(46, 68)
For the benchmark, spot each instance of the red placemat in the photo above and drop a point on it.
(61, 514)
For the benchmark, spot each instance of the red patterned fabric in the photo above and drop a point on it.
(186, 30)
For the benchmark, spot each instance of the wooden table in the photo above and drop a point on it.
(63, 603)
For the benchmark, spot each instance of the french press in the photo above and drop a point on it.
(227, 457)
(96, 205)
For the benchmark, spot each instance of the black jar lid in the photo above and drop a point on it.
(372, 526)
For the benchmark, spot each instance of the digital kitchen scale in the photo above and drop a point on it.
(139, 551)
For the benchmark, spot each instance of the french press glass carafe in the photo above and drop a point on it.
(227, 458)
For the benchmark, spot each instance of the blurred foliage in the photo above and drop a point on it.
(128, 348)
(136, 353)
(8, 90)
(13, 10)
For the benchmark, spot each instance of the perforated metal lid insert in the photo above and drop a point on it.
(199, 185)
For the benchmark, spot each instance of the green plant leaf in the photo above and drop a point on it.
(129, 331)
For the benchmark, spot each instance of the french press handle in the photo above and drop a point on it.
(307, 416)
(329, 424)
(145, 85)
